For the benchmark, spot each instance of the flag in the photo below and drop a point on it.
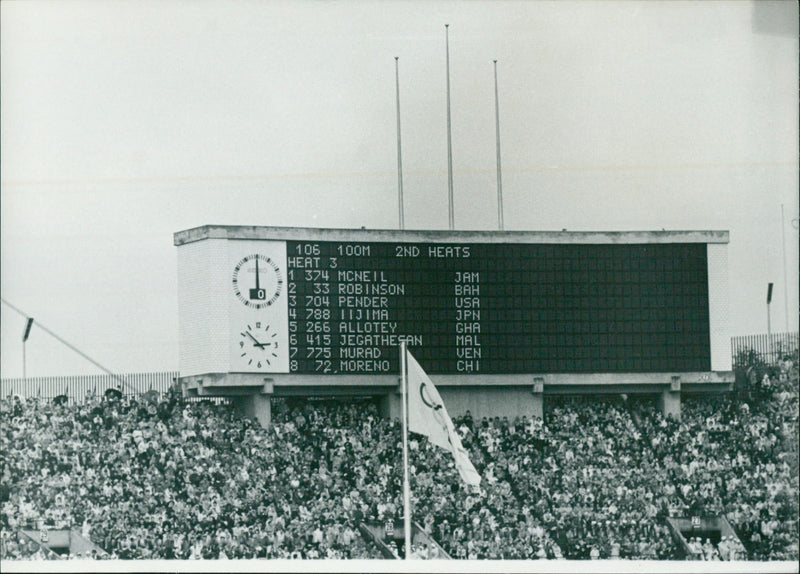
(428, 416)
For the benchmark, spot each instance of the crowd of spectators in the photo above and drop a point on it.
(172, 480)
(729, 459)
(596, 479)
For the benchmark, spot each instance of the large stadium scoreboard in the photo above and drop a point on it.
(343, 307)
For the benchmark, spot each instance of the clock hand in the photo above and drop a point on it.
(257, 344)
(257, 280)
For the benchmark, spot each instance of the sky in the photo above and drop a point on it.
(123, 122)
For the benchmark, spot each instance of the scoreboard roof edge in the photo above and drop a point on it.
(437, 236)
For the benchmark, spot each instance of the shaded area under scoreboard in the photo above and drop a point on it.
(482, 395)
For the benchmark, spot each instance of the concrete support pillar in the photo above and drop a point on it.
(537, 405)
(537, 398)
(670, 404)
(391, 405)
(258, 405)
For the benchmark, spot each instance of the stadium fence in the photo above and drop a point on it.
(769, 348)
(76, 388)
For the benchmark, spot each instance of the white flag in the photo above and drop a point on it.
(428, 416)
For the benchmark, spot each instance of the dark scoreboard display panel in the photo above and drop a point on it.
(497, 308)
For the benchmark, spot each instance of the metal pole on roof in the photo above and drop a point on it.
(451, 218)
(399, 149)
(499, 177)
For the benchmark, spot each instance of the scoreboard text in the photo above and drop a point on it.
(497, 308)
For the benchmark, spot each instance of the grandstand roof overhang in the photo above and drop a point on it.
(552, 383)
(436, 236)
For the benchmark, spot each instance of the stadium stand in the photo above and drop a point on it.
(596, 479)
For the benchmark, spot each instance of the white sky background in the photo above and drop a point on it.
(124, 122)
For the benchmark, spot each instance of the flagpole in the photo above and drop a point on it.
(399, 152)
(406, 486)
(449, 138)
(499, 178)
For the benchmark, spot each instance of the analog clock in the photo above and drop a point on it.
(257, 281)
(258, 345)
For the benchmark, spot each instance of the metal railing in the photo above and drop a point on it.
(768, 348)
(77, 388)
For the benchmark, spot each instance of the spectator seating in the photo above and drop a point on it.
(596, 479)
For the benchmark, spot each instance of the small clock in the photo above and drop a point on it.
(257, 281)
(258, 345)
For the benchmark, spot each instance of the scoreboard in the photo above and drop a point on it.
(500, 318)
(493, 308)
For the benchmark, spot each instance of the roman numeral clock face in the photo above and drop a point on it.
(257, 283)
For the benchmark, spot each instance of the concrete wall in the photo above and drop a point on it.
(492, 402)
(718, 290)
(203, 323)
(481, 402)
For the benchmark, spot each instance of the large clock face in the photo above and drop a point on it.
(257, 281)
(258, 308)
(258, 345)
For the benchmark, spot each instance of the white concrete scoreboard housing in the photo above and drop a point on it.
(494, 317)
